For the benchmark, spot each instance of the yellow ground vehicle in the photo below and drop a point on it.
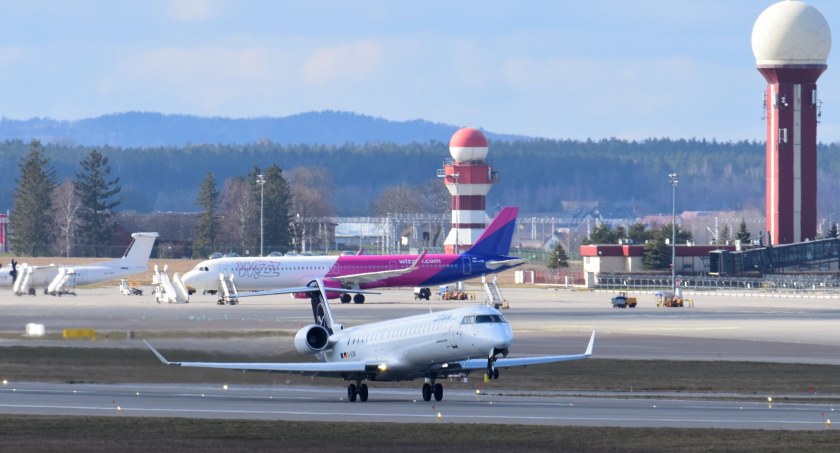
(622, 301)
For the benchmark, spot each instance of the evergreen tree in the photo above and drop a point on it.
(832, 233)
(31, 214)
(603, 234)
(276, 209)
(637, 233)
(725, 235)
(558, 257)
(207, 228)
(657, 255)
(743, 234)
(96, 194)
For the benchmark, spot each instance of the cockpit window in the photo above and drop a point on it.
(202, 268)
(484, 319)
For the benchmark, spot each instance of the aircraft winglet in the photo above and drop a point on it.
(159, 355)
(420, 257)
(588, 352)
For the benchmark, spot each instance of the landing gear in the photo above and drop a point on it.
(360, 390)
(359, 299)
(345, 298)
(432, 389)
(492, 371)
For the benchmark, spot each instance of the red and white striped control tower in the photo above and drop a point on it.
(468, 178)
(791, 41)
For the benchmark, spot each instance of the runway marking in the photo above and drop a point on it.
(449, 416)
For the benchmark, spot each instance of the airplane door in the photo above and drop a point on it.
(467, 265)
(454, 336)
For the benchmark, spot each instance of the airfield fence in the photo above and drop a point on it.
(795, 283)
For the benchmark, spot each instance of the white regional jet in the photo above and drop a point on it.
(54, 278)
(430, 346)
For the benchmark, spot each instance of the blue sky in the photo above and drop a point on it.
(556, 69)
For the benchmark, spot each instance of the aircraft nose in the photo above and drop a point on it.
(504, 337)
(189, 277)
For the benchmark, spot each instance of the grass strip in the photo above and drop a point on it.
(131, 434)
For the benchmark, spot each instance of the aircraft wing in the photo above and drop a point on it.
(370, 277)
(329, 369)
(481, 364)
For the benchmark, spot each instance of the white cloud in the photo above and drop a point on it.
(356, 60)
(193, 10)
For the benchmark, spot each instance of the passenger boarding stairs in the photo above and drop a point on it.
(59, 284)
(21, 285)
(494, 295)
(169, 291)
(228, 293)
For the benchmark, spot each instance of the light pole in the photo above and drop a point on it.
(261, 182)
(674, 181)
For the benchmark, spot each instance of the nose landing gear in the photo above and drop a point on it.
(492, 371)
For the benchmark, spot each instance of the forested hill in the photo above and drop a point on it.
(626, 178)
(149, 130)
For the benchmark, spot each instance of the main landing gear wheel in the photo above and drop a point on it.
(427, 392)
(360, 390)
(359, 299)
(345, 298)
(438, 392)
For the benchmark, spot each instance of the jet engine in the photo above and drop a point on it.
(312, 339)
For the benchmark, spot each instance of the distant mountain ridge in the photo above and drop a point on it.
(152, 130)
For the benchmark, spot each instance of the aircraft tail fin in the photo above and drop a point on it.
(321, 307)
(140, 249)
(496, 239)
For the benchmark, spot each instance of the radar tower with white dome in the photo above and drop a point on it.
(468, 177)
(791, 41)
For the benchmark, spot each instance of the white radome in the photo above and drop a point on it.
(791, 32)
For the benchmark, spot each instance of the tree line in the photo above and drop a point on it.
(626, 178)
(266, 209)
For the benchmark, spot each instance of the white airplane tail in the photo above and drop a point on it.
(139, 251)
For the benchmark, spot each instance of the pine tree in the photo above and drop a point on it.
(725, 235)
(96, 194)
(276, 208)
(207, 229)
(31, 214)
(743, 234)
(657, 255)
(558, 257)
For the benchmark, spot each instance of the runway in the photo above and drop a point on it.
(402, 406)
(778, 328)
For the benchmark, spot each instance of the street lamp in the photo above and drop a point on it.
(261, 182)
(674, 181)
